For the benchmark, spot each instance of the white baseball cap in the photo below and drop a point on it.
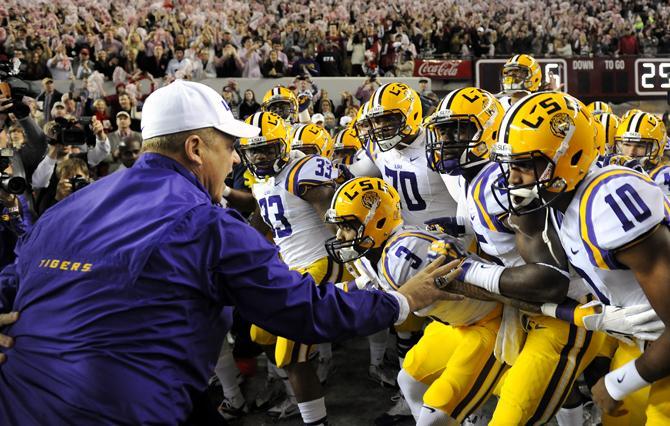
(186, 105)
(317, 117)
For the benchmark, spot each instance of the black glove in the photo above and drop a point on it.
(447, 225)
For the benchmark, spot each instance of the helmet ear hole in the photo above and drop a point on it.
(494, 135)
(575, 158)
(381, 222)
(416, 115)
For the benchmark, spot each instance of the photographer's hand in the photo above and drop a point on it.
(98, 128)
(63, 189)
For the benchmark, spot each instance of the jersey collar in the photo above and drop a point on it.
(151, 160)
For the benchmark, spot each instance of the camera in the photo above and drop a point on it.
(78, 182)
(71, 132)
(14, 88)
(9, 183)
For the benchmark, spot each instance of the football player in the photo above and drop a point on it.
(642, 136)
(461, 134)
(283, 102)
(311, 139)
(612, 224)
(452, 369)
(346, 146)
(293, 194)
(606, 127)
(389, 124)
(598, 107)
(520, 76)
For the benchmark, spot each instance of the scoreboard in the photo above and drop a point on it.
(608, 79)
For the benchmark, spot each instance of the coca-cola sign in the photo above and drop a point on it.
(443, 69)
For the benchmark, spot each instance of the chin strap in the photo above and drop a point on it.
(545, 236)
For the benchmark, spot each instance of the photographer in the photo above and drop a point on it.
(47, 176)
(73, 174)
(13, 207)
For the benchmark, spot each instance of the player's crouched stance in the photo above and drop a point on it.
(451, 370)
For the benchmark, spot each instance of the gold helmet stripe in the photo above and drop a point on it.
(378, 96)
(635, 122)
(509, 116)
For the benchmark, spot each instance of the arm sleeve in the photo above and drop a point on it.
(364, 166)
(99, 152)
(43, 173)
(253, 278)
(35, 147)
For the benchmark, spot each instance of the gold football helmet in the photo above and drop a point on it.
(283, 102)
(462, 130)
(392, 115)
(312, 140)
(551, 135)
(598, 107)
(346, 146)
(368, 206)
(521, 72)
(266, 154)
(606, 125)
(641, 136)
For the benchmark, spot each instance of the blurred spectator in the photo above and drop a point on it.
(156, 64)
(305, 64)
(628, 44)
(59, 65)
(405, 67)
(36, 68)
(329, 122)
(82, 66)
(251, 58)
(123, 133)
(129, 152)
(318, 119)
(178, 63)
(330, 60)
(104, 64)
(48, 97)
(273, 67)
(229, 64)
(249, 105)
(231, 95)
(365, 90)
(277, 47)
(356, 45)
(101, 112)
(346, 100)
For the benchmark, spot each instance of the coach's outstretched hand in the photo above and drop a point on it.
(6, 341)
(421, 291)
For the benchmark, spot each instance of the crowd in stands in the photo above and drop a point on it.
(228, 38)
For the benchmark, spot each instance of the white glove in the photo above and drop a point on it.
(639, 321)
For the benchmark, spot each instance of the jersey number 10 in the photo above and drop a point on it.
(634, 204)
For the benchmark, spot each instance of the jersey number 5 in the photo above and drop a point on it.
(634, 204)
(280, 226)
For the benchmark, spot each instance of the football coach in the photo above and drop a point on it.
(123, 289)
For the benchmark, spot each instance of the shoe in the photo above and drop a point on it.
(273, 391)
(378, 374)
(323, 367)
(284, 410)
(399, 412)
(231, 412)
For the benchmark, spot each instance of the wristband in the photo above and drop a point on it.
(403, 307)
(483, 275)
(226, 191)
(623, 381)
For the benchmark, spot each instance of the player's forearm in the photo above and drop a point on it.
(241, 200)
(531, 283)
(654, 364)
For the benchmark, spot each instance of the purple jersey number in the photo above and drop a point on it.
(280, 226)
(634, 204)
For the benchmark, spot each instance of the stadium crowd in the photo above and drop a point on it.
(66, 39)
(62, 142)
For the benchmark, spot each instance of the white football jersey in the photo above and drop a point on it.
(405, 254)
(422, 192)
(661, 175)
(297, 229)
(611, 208)
(487, 218)
(505, 100)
